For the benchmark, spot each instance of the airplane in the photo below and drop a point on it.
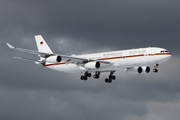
(135, 61)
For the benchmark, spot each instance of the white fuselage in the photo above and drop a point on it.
(121, 60)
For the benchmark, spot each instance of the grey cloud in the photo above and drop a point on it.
(48, 94)
(120, 24)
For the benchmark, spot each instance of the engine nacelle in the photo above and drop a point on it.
(92, 65)
(146, 69)
(54, 59)
(138, 70)
(134, 70)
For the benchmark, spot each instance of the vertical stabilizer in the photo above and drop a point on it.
(42, 45)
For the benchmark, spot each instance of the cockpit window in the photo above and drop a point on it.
(164, 51)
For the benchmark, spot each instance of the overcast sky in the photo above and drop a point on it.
(29, 91)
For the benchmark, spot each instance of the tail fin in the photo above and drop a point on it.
(42, 45)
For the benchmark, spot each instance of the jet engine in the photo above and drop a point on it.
(146, 69)
(92, 65)
(53, 59)
(138, 70)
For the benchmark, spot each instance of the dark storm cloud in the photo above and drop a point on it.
(28, 91)
(120, 24)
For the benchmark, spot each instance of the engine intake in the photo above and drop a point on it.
(139, 70)
(92, 65)
(54, 59)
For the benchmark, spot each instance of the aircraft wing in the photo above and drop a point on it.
(28, 51)
(31, 60)
(66, 58)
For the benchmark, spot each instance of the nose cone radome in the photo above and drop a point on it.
(167, 56)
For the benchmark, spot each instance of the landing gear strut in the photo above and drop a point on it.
(111, 77)
(155, 70)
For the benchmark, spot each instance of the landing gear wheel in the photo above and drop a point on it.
(82, 77)
(110, 80)
(113, 77)
(96, 76)
(155, 70)
(85, 78)
(89, 74)
(106, 80)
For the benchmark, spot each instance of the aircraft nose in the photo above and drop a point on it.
(169, 55)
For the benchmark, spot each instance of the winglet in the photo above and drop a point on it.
(10, 46)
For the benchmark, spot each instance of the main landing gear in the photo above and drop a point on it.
(155, 70)
(111, 77)
(96, 76)
(85, 76)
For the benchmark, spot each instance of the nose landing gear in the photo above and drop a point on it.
(155, 70)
